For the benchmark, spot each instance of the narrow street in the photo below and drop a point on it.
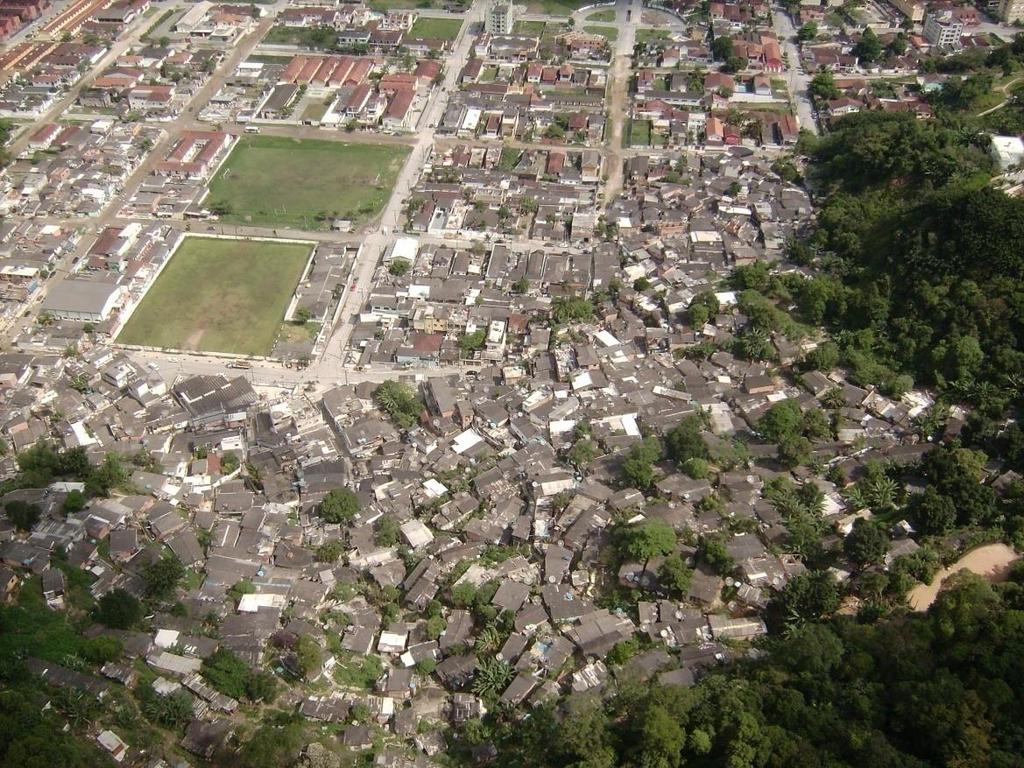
(628, 14)
(797, 79)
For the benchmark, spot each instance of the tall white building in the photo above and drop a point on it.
(943, 30)
(500, 19)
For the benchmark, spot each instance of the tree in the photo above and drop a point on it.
(492, 676)
(807, 32)
(823, 86)
(794, 451)
(73, 502)
(662, 738)
(648, 539)
(261, 687)
(308, 656)
(161, 578)
(399, 267)
(685, 441)
(226, 672)
(869, 48)
(813, 649)
(782, 420)
(387, 532)
(674, 577)
(22, 514)
(582, 453)
(637, 473)
(471, 342)
(809, 596)
(330, 551)
(118, 609)
(173, 711)
(399, 402)
(933, 513)
(566, 309)
(866, 543)
(339, 506)
(722, 48)
(712, 552)
(638, 467)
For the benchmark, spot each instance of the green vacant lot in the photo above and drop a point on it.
(555, 7)
(302, 184)
(612, 33)
(438, 29)
(219, 296)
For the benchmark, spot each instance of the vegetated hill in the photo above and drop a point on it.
(921, 258)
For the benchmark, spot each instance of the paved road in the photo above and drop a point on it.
(797, 79)
(175, 365)
(377, 241)
(627, 17)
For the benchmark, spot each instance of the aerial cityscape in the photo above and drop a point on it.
(475, 383)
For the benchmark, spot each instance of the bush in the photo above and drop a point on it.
(23, 515)
(118, 609)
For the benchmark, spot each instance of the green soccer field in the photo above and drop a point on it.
(219, 296)
(302, 184)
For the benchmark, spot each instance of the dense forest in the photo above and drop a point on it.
(920, 259)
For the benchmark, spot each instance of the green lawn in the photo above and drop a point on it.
(305, 37)
(528, 28)
(640, 133)
(606, 15)
(219, 295)
(646, 35)
(383, 6)
(555, 7)
(302, 184)
(436, 29)
(612, 33)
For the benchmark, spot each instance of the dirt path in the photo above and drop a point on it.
(627, 16)
(991, 561)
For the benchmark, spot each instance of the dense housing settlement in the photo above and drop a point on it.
(379, 380)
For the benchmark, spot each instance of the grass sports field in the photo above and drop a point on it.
(219, 296)
(303, 184)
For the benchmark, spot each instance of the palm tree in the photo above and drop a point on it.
(812, 498)
(881, 493)
(492, 677)
(855, 497)
(488, 640)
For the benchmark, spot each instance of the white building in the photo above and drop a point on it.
(500, 19)
(943, 31)
(89, 301)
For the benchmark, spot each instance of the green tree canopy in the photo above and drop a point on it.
(340, 505)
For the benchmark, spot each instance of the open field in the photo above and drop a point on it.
(555, 7)
(383, 6)
(612, 33)
(439, 29)
(302, 184)
(219, 296)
